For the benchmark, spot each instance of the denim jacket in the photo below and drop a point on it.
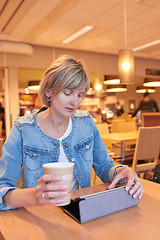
(28, 146)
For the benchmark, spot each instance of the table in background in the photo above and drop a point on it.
(122, 138)
(49, 222)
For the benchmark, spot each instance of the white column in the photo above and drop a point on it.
(13, 94)
(6, 101)
(11, 91)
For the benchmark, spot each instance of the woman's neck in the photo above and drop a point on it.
(51, 124)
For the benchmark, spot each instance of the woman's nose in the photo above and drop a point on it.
(74, 100)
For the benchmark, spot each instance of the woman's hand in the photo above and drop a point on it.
(126, 173)
(49, 193)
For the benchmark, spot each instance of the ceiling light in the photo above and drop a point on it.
(78, 34)
(146, 45)
(34, 85)
(117, 88)
(98, 87)
(126, 57)
(111, 80)
(151, 82)
(143, 90)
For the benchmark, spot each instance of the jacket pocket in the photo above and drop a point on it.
(35, 158)
(85, 148)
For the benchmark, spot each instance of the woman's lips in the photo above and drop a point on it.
(70, 109)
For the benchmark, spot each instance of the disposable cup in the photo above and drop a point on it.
(65, 171)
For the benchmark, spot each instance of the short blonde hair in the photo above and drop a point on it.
(65, 72)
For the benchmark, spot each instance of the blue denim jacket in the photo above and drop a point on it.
(27, 145)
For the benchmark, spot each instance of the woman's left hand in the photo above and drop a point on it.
(126, 173)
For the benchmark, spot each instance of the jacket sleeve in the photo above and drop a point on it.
(10, 164)
(156, 106)
(139, 108)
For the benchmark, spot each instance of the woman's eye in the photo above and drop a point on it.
(67, 93)
(80, 95)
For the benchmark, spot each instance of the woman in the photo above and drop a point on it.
(57, 133)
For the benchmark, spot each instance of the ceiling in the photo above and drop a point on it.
(48, 22)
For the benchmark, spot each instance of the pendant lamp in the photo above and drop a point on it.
(126, 57)
(117, 88)
(34, 85)
(111, 80)
(144, 89)
(151, 82)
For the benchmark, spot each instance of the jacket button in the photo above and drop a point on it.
(73, 159)
(80, 176)
(87, 146)
(66, 145)
(34, 154)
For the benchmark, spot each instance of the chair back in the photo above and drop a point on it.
(151, 119)
(124, 127)
(103, 128)
(1, 145)
(147, 149)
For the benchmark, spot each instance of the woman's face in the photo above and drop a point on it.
(66, 102)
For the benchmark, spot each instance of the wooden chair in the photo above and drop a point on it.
(151, 119)
(1, 123)
(1, 145)
(102, 128)
(124, 127)
(129, 145)
(147, 149)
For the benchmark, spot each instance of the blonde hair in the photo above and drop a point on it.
(65, 72)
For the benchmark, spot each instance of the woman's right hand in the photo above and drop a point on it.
(49, 193)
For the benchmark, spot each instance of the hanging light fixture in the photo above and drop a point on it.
(34, 85)
(144, 89)
(117, 88)
(151, 82)
(126, 57)
(111, 80)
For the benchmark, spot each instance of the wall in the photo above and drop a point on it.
(102, 63)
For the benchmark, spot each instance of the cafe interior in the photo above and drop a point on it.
(117, 40)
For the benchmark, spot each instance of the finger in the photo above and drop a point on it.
(52, 195)
(130, 183)
(139, 192)
(140, 195)
(134, 182)
(50, 178)
(115, 181)
(55, 187)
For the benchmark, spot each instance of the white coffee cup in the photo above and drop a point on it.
(65, 170)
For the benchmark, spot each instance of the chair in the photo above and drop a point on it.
(115, 124)
(129, 145)
(151, 119)
(102, 128)
(147, 149)
(1, 123)
(1, 145)
(122, 126)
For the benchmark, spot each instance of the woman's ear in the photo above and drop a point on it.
(48, 94)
